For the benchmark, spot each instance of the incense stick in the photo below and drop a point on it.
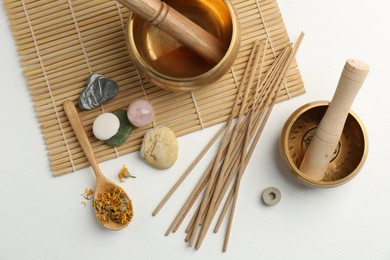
(245, 157)
(218, 156)
(257, 94)
(187, 172)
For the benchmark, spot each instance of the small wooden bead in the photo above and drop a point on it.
(271, 196)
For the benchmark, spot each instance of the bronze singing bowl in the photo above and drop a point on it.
(170, 65)
(348, 157)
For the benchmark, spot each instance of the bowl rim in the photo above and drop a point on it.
(289, 161)
(231, 49)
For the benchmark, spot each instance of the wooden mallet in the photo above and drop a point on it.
(179, 27)
(328, 133)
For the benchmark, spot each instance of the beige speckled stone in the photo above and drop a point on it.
(159, 147)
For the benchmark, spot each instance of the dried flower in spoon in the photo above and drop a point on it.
(112, 205)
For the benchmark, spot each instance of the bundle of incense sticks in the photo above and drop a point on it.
(221, 180)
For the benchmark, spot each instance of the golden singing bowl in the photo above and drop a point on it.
(348, 157)
(170, 65)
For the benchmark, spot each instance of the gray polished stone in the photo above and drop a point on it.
(99, 90)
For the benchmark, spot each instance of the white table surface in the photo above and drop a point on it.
(41, 216)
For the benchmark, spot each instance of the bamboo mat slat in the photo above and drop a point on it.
(60, 43)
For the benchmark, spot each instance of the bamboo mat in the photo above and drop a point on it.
(60, 43)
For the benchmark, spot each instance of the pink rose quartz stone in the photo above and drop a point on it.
(140, 113)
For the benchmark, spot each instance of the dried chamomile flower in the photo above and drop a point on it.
(88, 192)
(124, 173)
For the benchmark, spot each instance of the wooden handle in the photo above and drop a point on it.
(179, 27)
(328, 132)
(74, 119)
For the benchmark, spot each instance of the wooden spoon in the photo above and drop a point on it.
(102, 182)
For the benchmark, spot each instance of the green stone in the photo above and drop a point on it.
(124, 130)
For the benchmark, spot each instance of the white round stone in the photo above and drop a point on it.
(105, 126)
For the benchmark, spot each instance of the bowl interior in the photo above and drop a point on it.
(164, 54)
(348, 157)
